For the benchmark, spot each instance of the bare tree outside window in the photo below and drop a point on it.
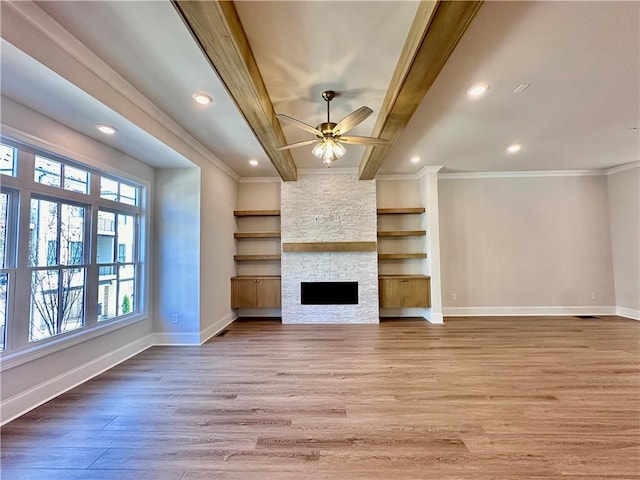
(57, 294)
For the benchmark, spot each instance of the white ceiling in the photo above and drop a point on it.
(581, 59)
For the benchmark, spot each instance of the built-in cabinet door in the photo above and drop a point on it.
(268, 293)
(243, 292)
(416, 292)
(390, 293)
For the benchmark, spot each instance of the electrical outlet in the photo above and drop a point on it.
(454, 297)
(594, 296)
(175, 318)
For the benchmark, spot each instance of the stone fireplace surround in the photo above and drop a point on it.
(329, 208)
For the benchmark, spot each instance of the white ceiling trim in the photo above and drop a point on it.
(527, 174)
(624, 168)
(328, 171)
(48, 27)
(260, 180)
(411, 176)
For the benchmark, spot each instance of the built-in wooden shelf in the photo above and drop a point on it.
(395, 211)
(400, 256)
(403, 276)
(255, 257)
(255, 277)
(256, 235)
(403, 233)
(329, 247)
(256, 213)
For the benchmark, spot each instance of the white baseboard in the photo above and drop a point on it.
(28, 400)
(428, 313)
(435, 317)
(628, 313)
(259, 312)
(185, 339)
(217, 327)
(179, 339)
(527, 311)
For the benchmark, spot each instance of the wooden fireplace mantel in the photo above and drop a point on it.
(329, 247)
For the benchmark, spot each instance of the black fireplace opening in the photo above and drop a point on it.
(329, 293)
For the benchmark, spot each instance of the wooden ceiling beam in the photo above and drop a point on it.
(435, 31)
(216, 27)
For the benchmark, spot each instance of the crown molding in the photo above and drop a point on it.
(397, 176)
(524, 174)
(328, 171)
(624, 168)
(411, 176)
(31, 14)
(445, 176)
(260, 180)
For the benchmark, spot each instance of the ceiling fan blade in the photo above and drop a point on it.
(297, 123)
(364, 140)
(298, 144)
(351, 120)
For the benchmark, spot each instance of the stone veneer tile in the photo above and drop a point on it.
(329, 208)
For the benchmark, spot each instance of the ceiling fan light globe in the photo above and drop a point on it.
(318, 150)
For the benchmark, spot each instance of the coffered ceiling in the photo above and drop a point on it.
(579, 61)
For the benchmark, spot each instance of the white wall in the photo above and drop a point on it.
(177, 259)
(624, 209)
(217, 247)
(525, 245)
(28, 384)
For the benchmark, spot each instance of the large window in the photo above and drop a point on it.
(69, 247)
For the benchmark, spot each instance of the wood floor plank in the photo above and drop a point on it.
(83, 474)
(51, 457)
(476, 398)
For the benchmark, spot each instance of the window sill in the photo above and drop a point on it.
(47, 347)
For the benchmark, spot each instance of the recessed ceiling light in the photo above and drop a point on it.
(253, 162)
(514, 148)
(477, 90)
(415, 159)
(202, 98)
(106, 129)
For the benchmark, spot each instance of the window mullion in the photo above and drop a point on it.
(59, 318)
(91, 272)
(18, 331)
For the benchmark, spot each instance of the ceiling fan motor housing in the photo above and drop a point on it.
(327, 129)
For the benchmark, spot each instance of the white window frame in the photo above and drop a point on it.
(18, 348)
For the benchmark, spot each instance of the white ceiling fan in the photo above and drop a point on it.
(329, 135)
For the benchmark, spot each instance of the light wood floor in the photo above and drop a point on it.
(484, 398)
